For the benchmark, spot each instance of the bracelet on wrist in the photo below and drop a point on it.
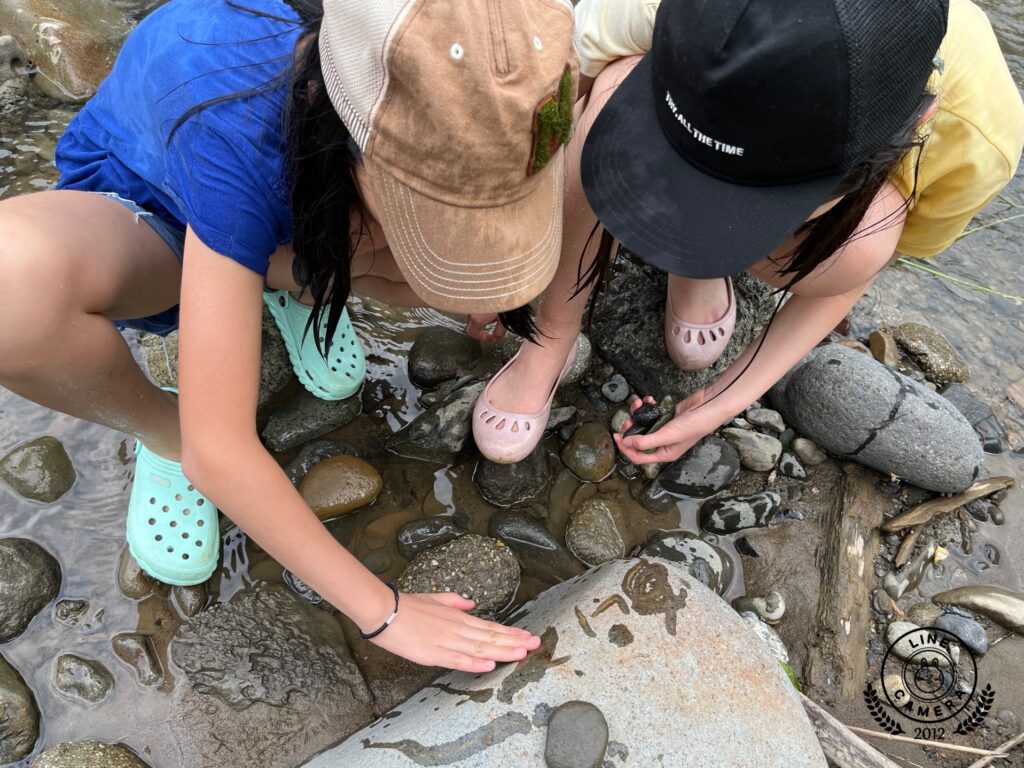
(387, 621)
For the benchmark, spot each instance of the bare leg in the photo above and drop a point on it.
(525, 385)
(80, 260)
(698, 301)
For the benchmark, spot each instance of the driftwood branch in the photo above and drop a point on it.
(926, 743)
(841, 745)
(1005, 747)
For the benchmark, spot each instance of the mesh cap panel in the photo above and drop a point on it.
(890, 45)
(353, 39)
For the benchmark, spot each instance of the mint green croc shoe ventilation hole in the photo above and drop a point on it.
(335, 378)
(172, 529)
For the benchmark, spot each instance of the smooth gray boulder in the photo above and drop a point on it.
(680, 680)
(19, 715)
(855, 407)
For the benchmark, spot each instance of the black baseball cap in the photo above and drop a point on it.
(743, 118)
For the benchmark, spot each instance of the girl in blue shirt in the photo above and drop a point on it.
(211, 166)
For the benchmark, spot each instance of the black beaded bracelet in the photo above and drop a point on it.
(387, 622)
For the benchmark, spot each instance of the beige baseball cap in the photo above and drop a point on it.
(460, 110)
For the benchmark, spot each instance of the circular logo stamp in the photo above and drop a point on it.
(929, 676)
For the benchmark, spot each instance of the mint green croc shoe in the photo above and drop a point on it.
(341, 374)
(172, 530)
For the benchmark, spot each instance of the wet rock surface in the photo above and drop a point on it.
(189, 601)
(132, 581)
(313, 453)
(629, 330)
(539, 553)
(590, 453)
(724, 683)
(88, 754)
(577, 736)
(39, 470)
(707, 468)
(757, 451)
(339, 485)
(932, 353)
(594, 533)
(29, 579)
(418, 535)
(307, 417)
(991, 432)
(705, 562)
(477, 567)
(267, 646)
(505, 485)
(442, 433)
(19, 715)
(72, 43)
(441, 354)
(857, 408)
(1003, 606)
(728, 514)
(85, 680)
(136, 652)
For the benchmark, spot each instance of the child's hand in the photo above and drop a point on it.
(675, 438)
(477, 323)
(435, 630)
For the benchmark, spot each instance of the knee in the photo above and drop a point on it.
(37, 300)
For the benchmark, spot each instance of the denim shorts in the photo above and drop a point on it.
(164, 322)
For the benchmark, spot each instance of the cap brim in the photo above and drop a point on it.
(474, 260)
(669, 213)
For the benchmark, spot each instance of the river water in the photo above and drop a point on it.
(85, 529)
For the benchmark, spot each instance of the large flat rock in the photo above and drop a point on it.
(678, 676)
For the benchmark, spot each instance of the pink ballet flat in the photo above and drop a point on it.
(693, 346)
(504, 437)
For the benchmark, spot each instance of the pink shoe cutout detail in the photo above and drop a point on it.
(505, 437)
(695, 346)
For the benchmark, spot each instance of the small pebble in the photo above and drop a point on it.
(766, 418)
(644, 417)
(615, 389)
(809, 453)
(789, 465)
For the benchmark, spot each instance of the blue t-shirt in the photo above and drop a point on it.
(224, 171)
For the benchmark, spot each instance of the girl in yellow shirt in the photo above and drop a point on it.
(806, 142)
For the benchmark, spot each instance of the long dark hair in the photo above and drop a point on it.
(324, 198)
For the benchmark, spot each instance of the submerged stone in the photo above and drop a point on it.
(594, 534)
(441, 354)
(418, 535)
(85, 680)
(505, 485)
(339, 485)
(307, 417)
(539, 553)
(590, 453)
(137, 652)
(29, 579)
(265, 645)
(19, 715)
(39, 470)
(707, 563)
(443, 433)
(477, 567)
